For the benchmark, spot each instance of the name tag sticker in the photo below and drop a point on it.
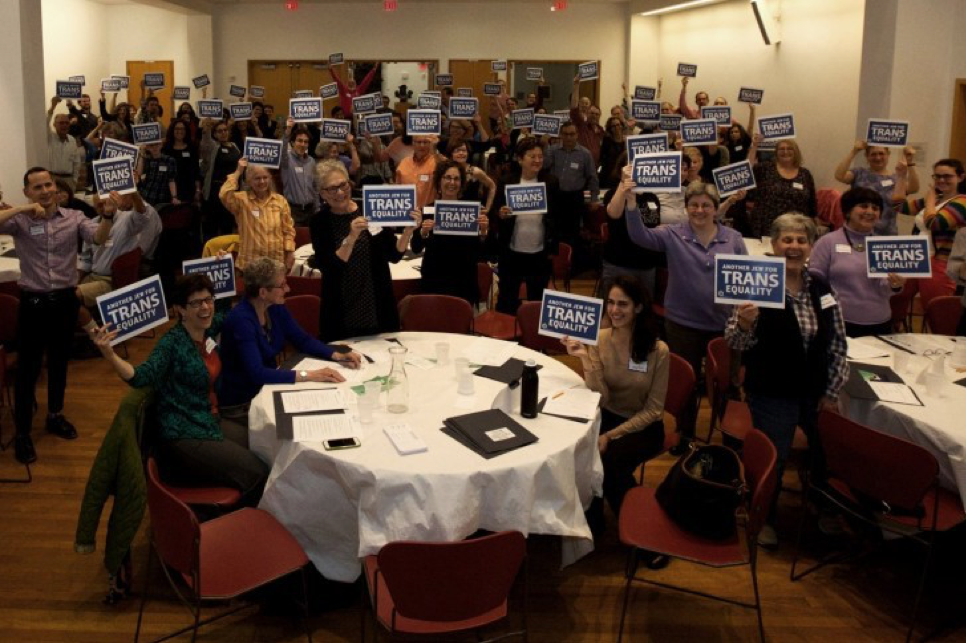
(827, 301)
(36, 230)
(224, 150)
(843, 248)
(798, 186)
(575, 166)
(210, 345)
(186, 155)
(887, 183)
(738, 148)
(256, 213)
(162, 168)
(637, 367)
(423, 178)
(298, 169)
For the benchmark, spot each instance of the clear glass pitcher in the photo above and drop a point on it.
(397, 397)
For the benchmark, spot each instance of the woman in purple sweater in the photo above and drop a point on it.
(692, 319)
(839, 259)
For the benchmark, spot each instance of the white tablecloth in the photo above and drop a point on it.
(407, 268)
(343, 505)
(939, 426)
(9, 266)
(757, 247)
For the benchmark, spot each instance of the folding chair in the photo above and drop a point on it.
(942, 315)
(303, 286)
(528, 319)
(436, 314)
(305, 310)
(731, 417)
(491, 322)
(561, 265)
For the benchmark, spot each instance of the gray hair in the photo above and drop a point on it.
(697, 188)
(796, 222)
(330, 166)
(261, 273)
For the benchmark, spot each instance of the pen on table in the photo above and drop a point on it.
(558, 395)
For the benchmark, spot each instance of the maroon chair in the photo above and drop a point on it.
(561, 266)
(10, 288)
(886, 482)
(491, 322)
(660, 287)
(436, 314)
(901, 305)
(731, 417)
(425, 589)
(303, 286)
(125, 269)
(680, 383)
(645, 526)
(302, 236)
(218, 560)
(9, 313)
(528, 319)
(305, 310)
(942, 315)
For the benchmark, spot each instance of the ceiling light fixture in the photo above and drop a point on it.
(677, 7)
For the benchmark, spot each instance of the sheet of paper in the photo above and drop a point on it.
(490, 352)
(306, 401)
(894, 392)
(860, 350)
(375, 349)
(317, 428)
(351, 375)
(573, 402)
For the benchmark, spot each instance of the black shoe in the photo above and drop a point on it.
(682, 447)
(653, 560)
(24, 449)
(59, 426)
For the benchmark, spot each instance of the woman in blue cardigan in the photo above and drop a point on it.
(254, 334)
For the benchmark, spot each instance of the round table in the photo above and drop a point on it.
(9, 266)
(344, 505)
(406, 268)
(938, 425)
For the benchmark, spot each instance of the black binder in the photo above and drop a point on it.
(489, 433)
(510, 371)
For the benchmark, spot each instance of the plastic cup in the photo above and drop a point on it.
(365, 409)
(373, 389)
(935, 384)
(442, 353)
(464, 377)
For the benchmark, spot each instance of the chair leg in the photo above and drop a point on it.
(144, 592)
(754, 583)
(305, 605)
(630, 571)
(801, 529)
(922, 585)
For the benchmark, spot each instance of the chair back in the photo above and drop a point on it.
(528, 320)
(436, 314)
(604, 232)
(829, 206)
(9, 312)
(875, 464)
(760, 458)
(929, 289)
(125, 269)
(680, 384)
(484, 282)
(174, 528)
(177, 217)
(901, 305)
(452, 581)
(303, 286)
(562, 262)
(305, 311)
(942, 315)
(302, 236)
(10, 288)
(226, 242)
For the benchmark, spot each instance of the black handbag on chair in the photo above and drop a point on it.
(704, 490)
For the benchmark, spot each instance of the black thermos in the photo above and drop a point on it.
(529, 390)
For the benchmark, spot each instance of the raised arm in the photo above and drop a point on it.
(843, 171)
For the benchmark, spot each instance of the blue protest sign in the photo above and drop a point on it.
(906, 256)
(562, 113)
(534, 73)
(266, 152)
(658, 172)
(305, 110)
(522, 118)
(429, 101)
(645, 144)
(444, 80)
(497, 65)
(335, 130)
(110, 85)
(302, 93)
(201, 81)
(887, 133)
(237, 91)
(113, 149)
(147, 133)
(182, 92)
(378, 124)
(721, 114)
(366, 104)
(547, 125)
(732, 178)
(134, 309)
(492, 89)
(588, 70)
(464, 92)
(114, 175)
(388, 204)
(256, 91)
(462, 107)
(750, 95)
(564, 314)
(457, 218)
(646, 111)
(642, 92)
(240, 111)
(701, 131)
(742, 279)
(527, 198)
(774, 128)
(154, 80)
(124, 81)
(213, 108)
(221, 271)
(433, 92)
(329, 91)
(336, 59)
(423, 121)
(78, 79)
(68, 89)
(670, 122)
(687, 69)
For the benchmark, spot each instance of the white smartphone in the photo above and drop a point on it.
(341, 443)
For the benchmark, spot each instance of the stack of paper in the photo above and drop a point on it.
(572, 403)
(491, 352)
(312, 400)
(860, 350)
(375, 349)
(329, 426)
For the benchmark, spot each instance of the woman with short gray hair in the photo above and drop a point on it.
(794, 357)
(256, 331)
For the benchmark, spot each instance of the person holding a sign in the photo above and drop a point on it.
(701, 99)
(357, 296)
(418, 169)
(576, 171)
(64, 156)
(180, 146)
(794, 357)
(157, 176)
(587, 119)
(219, 159)
(525, 241)
(610, 151)
(298, 174)
(349, 89)
(120, 113)
(449, 264)
(629, 367)
(692, 320)
(255, 334)
(478, 185)
(877, 177)
(265, 226)
(839, 258)
(199, 445)
(783, 186)
(738, 142)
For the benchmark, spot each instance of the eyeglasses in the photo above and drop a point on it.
(281, 286)
(947, 177)
(335, 188)
(194, 304)
(451, 178)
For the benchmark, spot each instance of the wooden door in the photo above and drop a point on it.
(136, 70)
(473, 74)
(312, 75)
(276, 78)
(558, 77)
(957, 134)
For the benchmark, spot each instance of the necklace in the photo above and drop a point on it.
(858, 247)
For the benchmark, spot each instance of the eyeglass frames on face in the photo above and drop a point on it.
(335, 188)
(197, 303)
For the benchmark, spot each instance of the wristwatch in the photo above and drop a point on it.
(304, 375)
